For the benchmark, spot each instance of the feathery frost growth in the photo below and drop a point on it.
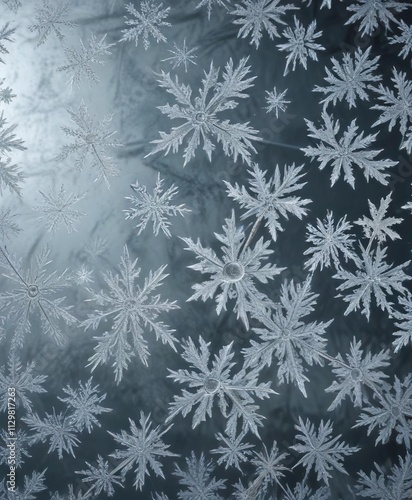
(79, 62)
(201, 115)
(235, 273)
(350, 79)
(286, 337)
(320, 450)
(51, 17)
(258, 16)
(132, 309)
(146, 23)
(235, 393)
(352, 149)
(91, 141)
(155, 208)
(271, 198)
(300, 44)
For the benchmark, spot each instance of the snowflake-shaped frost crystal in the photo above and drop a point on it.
(57, 210)
(271, 199)
(371, 12)
(146, 23)
(235, 393)
(235, 272)
(201, 116)
(79, 61)
(288, 338)
(131, 308)
(373, 276)
(91, 141)
(351, 149)
(144, 447)
(155, 208)
(300, 44)
(51, 17)
(35, 291)
(256, 16)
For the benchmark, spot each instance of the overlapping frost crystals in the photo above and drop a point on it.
(201, 114)
(383, 486)
(235, 272)
(131, 309)
(257, 16)
(393, 412)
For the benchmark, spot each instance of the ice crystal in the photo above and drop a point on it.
(6, 35)
(132, 309)
(344, 153)
(300, 44)
(372, 12)
(392, 413)
(22, 379)
(329, 242)
(201, 115)
(276, 102)
(396, 105)
(182, 56)
(79, 66)
(144, 447)
(91, 141)
(102, 478)
(210, 381)
(360, 371)
(288, 338)
(8, 227)
(320, 450)
(84, 403)
(57, 210)
(35, 291)
(155, 208)
(235, 272)
(51, 17)
(350, 79)
(271, 199)
(198, 481)
(257, 16)
(379, 226)
(146, 23)
(373, 276)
